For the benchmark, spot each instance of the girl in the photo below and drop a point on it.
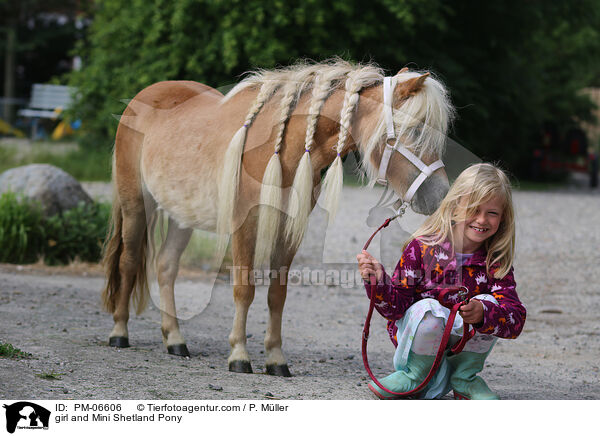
(468, 241)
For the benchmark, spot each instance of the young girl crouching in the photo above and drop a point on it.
(468, 241)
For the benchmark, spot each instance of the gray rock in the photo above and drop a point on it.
(56, 190)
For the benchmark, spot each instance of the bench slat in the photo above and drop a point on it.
(50, 96)
(33, 113)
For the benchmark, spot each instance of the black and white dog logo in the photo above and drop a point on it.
(26, 415)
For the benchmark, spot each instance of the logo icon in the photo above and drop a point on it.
(26, 415)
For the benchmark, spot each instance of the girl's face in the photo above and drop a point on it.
(483, 225)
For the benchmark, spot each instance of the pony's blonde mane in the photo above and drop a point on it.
(421, 121)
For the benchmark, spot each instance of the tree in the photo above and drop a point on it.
(509, 65)
(37, 43)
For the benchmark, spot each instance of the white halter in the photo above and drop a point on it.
(426, 171)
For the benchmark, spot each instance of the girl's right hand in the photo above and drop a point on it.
(369, 266)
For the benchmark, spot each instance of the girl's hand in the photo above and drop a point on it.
(369, 266)
(472, 312)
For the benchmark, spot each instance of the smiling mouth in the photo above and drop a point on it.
(479, 229)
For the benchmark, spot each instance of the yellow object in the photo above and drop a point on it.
(7, 129)
(62, 129)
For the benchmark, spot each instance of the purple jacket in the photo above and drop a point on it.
(423, 271)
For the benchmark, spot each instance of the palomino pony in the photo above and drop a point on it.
(249, 165)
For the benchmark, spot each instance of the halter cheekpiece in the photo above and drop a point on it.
(426, 170)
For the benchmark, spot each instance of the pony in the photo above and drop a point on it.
(248, 166)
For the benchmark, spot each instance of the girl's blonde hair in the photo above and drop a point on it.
(476, 185)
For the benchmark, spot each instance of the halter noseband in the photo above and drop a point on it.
(426, 170)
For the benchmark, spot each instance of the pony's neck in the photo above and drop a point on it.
(364, 122)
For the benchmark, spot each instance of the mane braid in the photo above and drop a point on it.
(269, 216)
(334, 178)
(230, 176)
(300, 200)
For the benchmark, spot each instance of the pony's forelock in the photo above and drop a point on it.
(421, 122)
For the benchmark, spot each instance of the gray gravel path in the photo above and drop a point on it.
(57, 318)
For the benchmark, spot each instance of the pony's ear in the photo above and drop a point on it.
(403, 70)
(409, 87)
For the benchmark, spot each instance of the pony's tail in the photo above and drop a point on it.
(228, 188)
(269, 214)
(112, 249)
(300, 202)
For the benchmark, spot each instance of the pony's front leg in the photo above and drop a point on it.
(243, 295)
(167, 269)
(276, 364)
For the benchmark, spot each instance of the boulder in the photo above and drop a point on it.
(53, 188)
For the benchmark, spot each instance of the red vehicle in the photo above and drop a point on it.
(570, 153)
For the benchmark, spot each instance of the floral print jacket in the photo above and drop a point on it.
(424, 270)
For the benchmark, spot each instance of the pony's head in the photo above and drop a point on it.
(421, 113)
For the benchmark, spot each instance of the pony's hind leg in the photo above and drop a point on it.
(243, 294)
(129, 263)
(167, 269)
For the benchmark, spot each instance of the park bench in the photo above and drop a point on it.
(47, 101)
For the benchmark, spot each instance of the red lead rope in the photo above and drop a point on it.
(445, 338)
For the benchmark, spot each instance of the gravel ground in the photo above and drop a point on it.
(55, 315)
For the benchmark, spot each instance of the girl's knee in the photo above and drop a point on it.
(431, 323)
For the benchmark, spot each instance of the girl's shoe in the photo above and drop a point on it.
(466, 384)
(417, 368)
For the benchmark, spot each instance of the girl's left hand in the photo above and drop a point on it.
(472, 312)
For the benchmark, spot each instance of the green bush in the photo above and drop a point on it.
(22, 236)
(25, 235)
(77, 232)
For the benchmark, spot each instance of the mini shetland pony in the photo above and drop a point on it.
(248, 166)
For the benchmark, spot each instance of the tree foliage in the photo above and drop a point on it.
(509, 65)
(45, 34)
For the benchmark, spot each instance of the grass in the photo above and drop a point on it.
(11, 352)
(50, 375)
(199, 252)
(83, 164)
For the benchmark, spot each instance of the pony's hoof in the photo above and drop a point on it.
(118, 341)
(279, 370)
(240, 366)
(178, 350)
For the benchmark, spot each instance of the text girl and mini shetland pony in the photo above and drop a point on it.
(249, 165)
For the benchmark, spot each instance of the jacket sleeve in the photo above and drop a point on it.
(393, 296)
(505, 319)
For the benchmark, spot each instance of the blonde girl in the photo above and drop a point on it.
(468, 241)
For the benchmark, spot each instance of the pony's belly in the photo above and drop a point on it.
(190, 201)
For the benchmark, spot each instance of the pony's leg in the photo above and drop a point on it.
(133, 234)
(276, 363)
(243, 295)
(167, 269)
